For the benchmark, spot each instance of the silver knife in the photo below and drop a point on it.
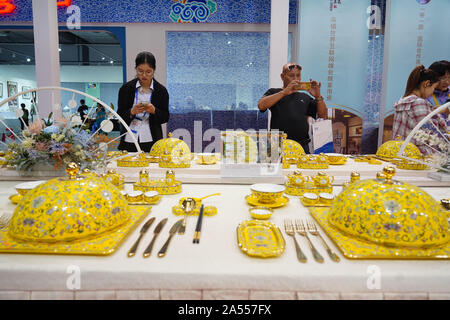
(158, 228)
(172, 231)
(144, 229)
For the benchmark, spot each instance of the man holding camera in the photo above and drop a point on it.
(290, 109)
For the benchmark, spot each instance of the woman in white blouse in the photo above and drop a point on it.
(144, 105)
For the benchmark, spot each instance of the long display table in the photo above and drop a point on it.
(217, 268)
(214, 174)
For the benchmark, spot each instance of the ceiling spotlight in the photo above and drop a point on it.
(28, 59)
(103, 58)
(111, 62)
(229, 42)
(59, 49)
(13, 55)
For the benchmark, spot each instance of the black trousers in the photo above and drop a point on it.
(130, 147)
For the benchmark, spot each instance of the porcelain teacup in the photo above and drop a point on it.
(267, 192)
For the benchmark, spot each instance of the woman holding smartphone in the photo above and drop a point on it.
(144, 105)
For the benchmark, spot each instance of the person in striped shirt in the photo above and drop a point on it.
(413, 106)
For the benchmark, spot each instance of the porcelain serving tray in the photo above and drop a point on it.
(353, 248)
(261, 239)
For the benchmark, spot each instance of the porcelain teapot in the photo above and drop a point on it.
(322, 180)
(297, 179)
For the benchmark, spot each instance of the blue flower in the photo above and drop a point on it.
(51, 129)
(82, 137)
(57, 147)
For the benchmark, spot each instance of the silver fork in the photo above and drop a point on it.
(289, 229)
(301, 230)
(312, 228)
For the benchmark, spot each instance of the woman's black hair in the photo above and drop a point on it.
(419, 75)
(440, 67)
(146, 57)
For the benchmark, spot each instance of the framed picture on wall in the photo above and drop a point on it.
(26, 95)
(12, 90)
(1, 90)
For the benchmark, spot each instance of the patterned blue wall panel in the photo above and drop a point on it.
(235, 76)
(104, 11)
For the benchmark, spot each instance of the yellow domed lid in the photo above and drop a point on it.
(172, 146)
(389, 150)
(292, 149)
(67, 209)
(390, 213)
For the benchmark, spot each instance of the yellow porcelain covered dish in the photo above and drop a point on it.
(170, 150)
(67, 209)
(388, 150)
(390, 213)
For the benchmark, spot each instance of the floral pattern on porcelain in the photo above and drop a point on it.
(67, 210)
(390, 213)
(388, 150)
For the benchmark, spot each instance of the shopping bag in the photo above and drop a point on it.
(322, 136)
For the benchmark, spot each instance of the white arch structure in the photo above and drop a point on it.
(83, 94)
(413, 132)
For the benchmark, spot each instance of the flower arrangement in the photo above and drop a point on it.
(57, 143)
(437, 145)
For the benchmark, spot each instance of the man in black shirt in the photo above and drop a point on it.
(290, 109)
(82, 109)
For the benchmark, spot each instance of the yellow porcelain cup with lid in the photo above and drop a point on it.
(322, 180)
(267, 192)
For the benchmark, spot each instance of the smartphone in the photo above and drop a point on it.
(303, 86)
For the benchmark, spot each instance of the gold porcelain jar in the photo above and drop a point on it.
(67, 209)
(390, 212)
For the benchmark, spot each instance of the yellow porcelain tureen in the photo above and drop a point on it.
(391, 213)
(67, 209)
(171, 153)
(388, 150)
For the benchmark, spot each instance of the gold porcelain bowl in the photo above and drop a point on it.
(390, 213)
(336, 158)
(267, 192)
(326, 198)
(24, 187)
(310, 198)
(63, 209)
(151, 196)
(134, 196)
(260, 212)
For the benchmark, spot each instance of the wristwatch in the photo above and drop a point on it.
(319, 99)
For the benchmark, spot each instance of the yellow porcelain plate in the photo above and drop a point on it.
(279, 203)
(357, 249)
(260, 239)
(104, 244)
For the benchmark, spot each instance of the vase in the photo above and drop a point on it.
(43, 169)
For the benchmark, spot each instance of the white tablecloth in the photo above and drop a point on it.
(216, 268)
